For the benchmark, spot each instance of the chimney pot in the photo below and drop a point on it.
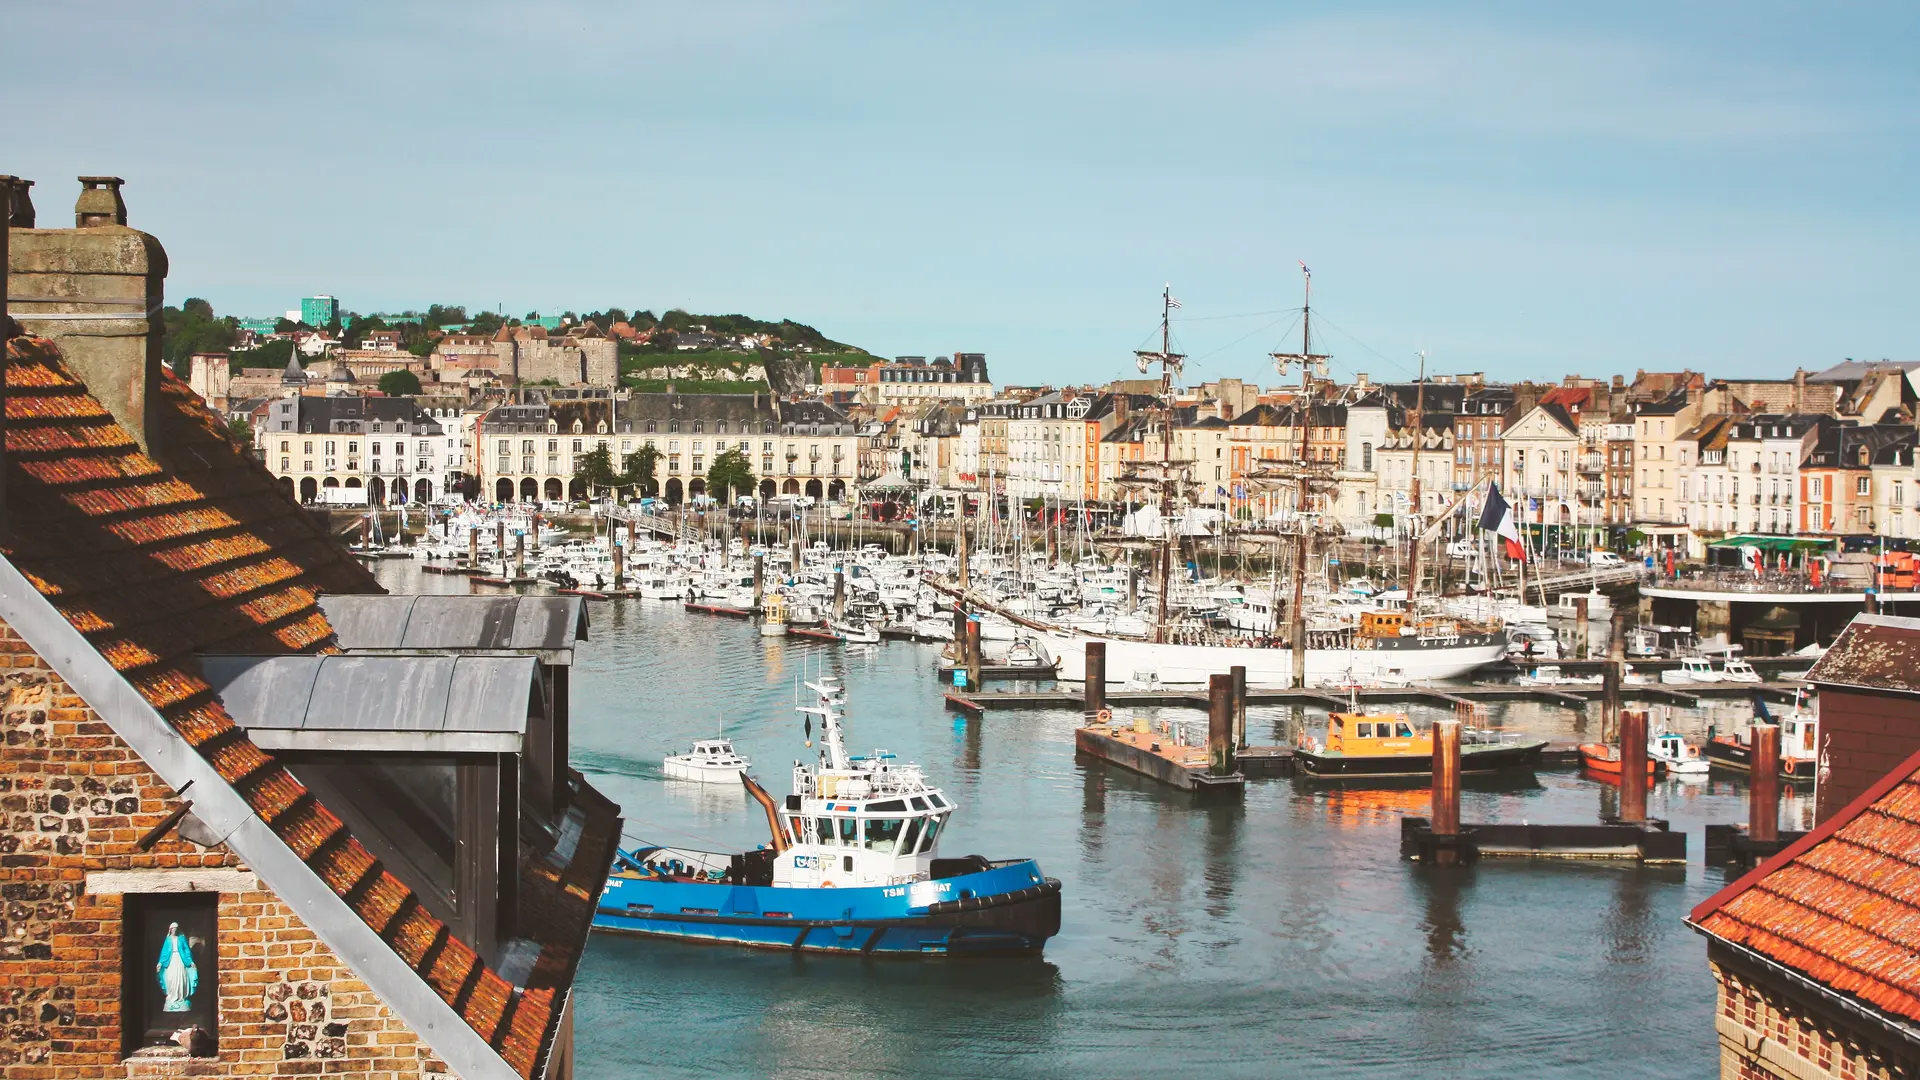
(21, 216)
(99, 203)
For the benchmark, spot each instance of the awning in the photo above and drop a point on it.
(1772, 543)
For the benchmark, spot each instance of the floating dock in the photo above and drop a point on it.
(1648, 841)
(1155, 754)
(1451, 697)
(722, 609)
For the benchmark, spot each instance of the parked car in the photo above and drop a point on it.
(1604, 560)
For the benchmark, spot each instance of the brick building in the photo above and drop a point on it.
(1811, 951)
(185, 894)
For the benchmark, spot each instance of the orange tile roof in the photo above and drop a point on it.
(157, 560)
(1841, 905)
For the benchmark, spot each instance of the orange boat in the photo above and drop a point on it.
(1604, 759)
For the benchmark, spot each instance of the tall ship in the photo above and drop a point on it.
(1385, 641)
(852, 866)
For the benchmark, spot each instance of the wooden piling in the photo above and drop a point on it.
(1763, 784)
(959, 636)
(1872, 600)
(1580, 614)
(1445, 816)
(1220, 725)
(1612, 675)
(839, 593)
(1239, 674)
(473, 548)
(960, 542)
(1633, 765)
(973, 654)
(619, 566)
(1096, 685)
(500, 543)
(520, 555)
(759, 581)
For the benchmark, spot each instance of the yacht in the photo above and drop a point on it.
(711, 761)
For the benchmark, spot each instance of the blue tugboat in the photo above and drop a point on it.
(853, 867)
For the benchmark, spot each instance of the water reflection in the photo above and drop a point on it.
(1278, 935)
(1446, 931)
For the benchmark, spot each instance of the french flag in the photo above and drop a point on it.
(1497, 517)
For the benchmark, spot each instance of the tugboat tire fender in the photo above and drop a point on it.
(827, 885)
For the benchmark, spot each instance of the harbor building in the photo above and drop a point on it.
(237, 841)
(390, 447)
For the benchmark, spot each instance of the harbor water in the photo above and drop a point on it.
(1274, 934)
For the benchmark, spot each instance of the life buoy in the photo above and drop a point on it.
(1106, 716)
(826, 885)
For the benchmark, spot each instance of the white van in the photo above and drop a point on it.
(1604, 560)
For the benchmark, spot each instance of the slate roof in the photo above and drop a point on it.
(1841, 905)
(155, 561)
(381, 701)
(548, 623)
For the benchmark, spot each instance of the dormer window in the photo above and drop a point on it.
(652, 426)
(578, 427)
(553, 427)
(673, 425)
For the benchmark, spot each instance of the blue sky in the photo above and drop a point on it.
(1522, 189)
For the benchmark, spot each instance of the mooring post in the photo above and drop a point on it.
(960, 542)
(619, 566)
(1220, 725)
(1096, 688)
(759, 581)
(363, 530)
(1633, 765)
(1239, 674)
(1445, 815)
(1872, 599)
(1612, 675)
(1763, 784)
(973, 654)
(1133, 587)
(473, 547)
(1580, 627)
(535, 530)
(520, 554)
(500, 544)
(839, 593)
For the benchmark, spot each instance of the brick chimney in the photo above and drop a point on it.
(96, 290)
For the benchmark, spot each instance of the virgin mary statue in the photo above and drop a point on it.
(179, 978)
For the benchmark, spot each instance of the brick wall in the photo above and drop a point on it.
(74, 801)
(1863, 735)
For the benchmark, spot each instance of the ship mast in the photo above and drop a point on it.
(1419, 436)
(1170, 364)
(1304, 474)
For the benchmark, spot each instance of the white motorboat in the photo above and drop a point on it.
(854, 631)
(1738, 670)
(711, 761)
(1680, 757)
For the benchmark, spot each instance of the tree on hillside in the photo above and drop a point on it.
(193, 328)
(730, 475)
(486, 322)
(439, 315)
(240, 431)
(402, 383)
(593, 470)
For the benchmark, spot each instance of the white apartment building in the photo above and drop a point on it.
(387, 446)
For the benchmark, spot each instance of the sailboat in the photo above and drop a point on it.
(1409, 643)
